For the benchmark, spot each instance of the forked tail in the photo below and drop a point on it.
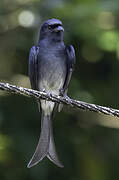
(46, 146)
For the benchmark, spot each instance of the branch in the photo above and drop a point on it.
(59, 99)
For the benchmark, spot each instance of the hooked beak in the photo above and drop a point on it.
(58, 29)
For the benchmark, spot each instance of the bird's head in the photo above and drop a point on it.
(52, 29)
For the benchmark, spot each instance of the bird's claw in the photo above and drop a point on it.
(62, 92)
(44, 90)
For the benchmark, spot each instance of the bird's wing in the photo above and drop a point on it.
(33, 67)
(70, 55)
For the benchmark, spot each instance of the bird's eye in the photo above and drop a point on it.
(49, 27)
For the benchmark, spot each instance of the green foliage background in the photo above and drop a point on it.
(87, 143)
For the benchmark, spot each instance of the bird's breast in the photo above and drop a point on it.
(52, 72)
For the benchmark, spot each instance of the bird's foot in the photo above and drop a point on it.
(48, 93)
(63, 94)
(44, 90)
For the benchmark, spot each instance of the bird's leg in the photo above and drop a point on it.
(49, 94)
(44, 90)
(63, 93)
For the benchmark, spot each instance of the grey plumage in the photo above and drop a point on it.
(50, 68)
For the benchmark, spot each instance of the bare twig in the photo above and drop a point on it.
(58, 99)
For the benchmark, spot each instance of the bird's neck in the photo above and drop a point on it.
(46, 43)
(52, 38)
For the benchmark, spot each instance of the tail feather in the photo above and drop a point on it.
(52, 154)
(46, 146)
(43, 144)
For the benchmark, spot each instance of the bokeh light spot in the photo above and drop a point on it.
(109, 40)
(26, 18)
(106, 20)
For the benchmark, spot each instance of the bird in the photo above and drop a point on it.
(51, 64)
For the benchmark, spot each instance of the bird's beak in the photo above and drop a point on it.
(58, 29)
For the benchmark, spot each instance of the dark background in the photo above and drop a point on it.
(87, 143)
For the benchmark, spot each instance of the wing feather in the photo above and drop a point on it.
(33, 67)
(70, 54)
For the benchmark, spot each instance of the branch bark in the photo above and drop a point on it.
(59, 99)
